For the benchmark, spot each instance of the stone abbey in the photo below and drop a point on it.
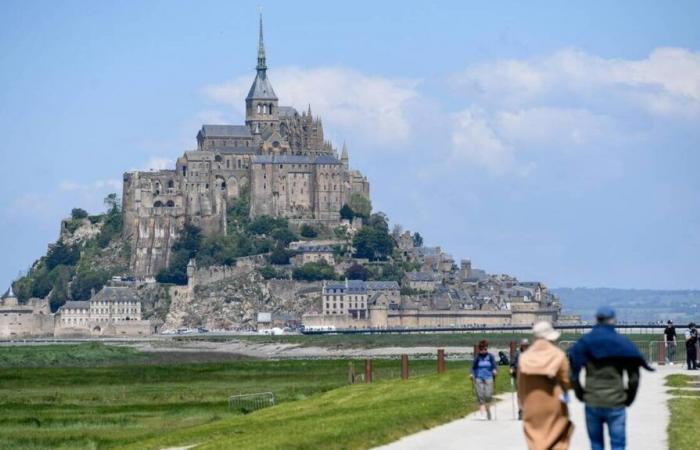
(279, 158)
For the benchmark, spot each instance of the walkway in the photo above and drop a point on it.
(647, 420)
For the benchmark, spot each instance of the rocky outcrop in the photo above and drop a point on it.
(233, 303)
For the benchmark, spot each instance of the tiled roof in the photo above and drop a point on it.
(213, 131)
(420, 276)
(76, 305)
(381, 285)
(116, 294)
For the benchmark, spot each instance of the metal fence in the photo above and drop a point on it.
(247, 403)
(660, 352)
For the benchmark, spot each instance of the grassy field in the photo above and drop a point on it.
(89, 354)
(351, 417)
(685, 414)
(395, 340)
(111, 406)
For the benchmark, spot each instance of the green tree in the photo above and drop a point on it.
(284, 235)
(360, 205)
(357, 272)
(308, 231)
(314, 271)
(184, 248)
(86, 281)
(346, 212)
(265, 224)
(78, 213)
(112, 202)
(269, 272)
(372, 244)
(59, 253)
(417, 239)
(280, 256)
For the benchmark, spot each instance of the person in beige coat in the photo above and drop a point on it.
(543, 384)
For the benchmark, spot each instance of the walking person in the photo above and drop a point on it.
(524, 344)
(670, 338)
(484, 369)
(606, 356)
(691, 347)
(543, 382)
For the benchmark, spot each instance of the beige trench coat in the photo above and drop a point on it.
(543, 377)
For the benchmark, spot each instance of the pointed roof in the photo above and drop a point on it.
(261, 88)
(9, 293)
(344, 154)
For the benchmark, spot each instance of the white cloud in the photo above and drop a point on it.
(567, 101)
(347, 100)
(476, 142)
(667, 82)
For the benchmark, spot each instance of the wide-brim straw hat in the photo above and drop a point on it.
(545, 330)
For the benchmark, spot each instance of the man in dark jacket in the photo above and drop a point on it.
(691, 349)
(606, 355)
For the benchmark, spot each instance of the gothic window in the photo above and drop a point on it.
(184, 171)
(171, 184)
(170, 203)
(158, 204)
(239, 163)
(228, 163)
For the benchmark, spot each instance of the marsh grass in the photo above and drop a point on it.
(121, 405)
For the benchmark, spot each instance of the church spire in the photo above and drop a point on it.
(261, 49)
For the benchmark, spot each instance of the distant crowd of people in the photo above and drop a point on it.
(543, 374)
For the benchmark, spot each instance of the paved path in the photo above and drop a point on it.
(646, 424)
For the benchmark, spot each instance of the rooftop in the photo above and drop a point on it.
(225, 131)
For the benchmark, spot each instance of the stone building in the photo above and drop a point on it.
(313, 253)
(115, 310)
(33, 318)
(422, 281)
(279, 158)
(348, 298)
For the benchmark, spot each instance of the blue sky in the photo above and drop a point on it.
(556, 141)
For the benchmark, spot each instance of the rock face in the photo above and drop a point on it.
(232, 303)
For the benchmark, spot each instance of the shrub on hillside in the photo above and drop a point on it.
(314, 271)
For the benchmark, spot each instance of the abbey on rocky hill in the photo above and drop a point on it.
(279, 158)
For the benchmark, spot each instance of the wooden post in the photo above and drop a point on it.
(351, 373)
(513, 347)
(441, 360)
(404, 367)
(368, 370)
(662, 352)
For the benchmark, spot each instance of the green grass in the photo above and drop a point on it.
(684, 423)
(111, 406)
(88, 354)
(679, 380)
(685, 413)
(351, 417)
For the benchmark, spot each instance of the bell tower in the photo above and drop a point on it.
(261, 109)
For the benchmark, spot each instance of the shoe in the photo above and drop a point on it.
(670, 364)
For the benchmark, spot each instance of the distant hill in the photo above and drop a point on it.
(633, 305)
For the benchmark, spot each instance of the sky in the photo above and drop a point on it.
(554, 141)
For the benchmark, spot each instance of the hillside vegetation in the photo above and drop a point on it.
(88, 253)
